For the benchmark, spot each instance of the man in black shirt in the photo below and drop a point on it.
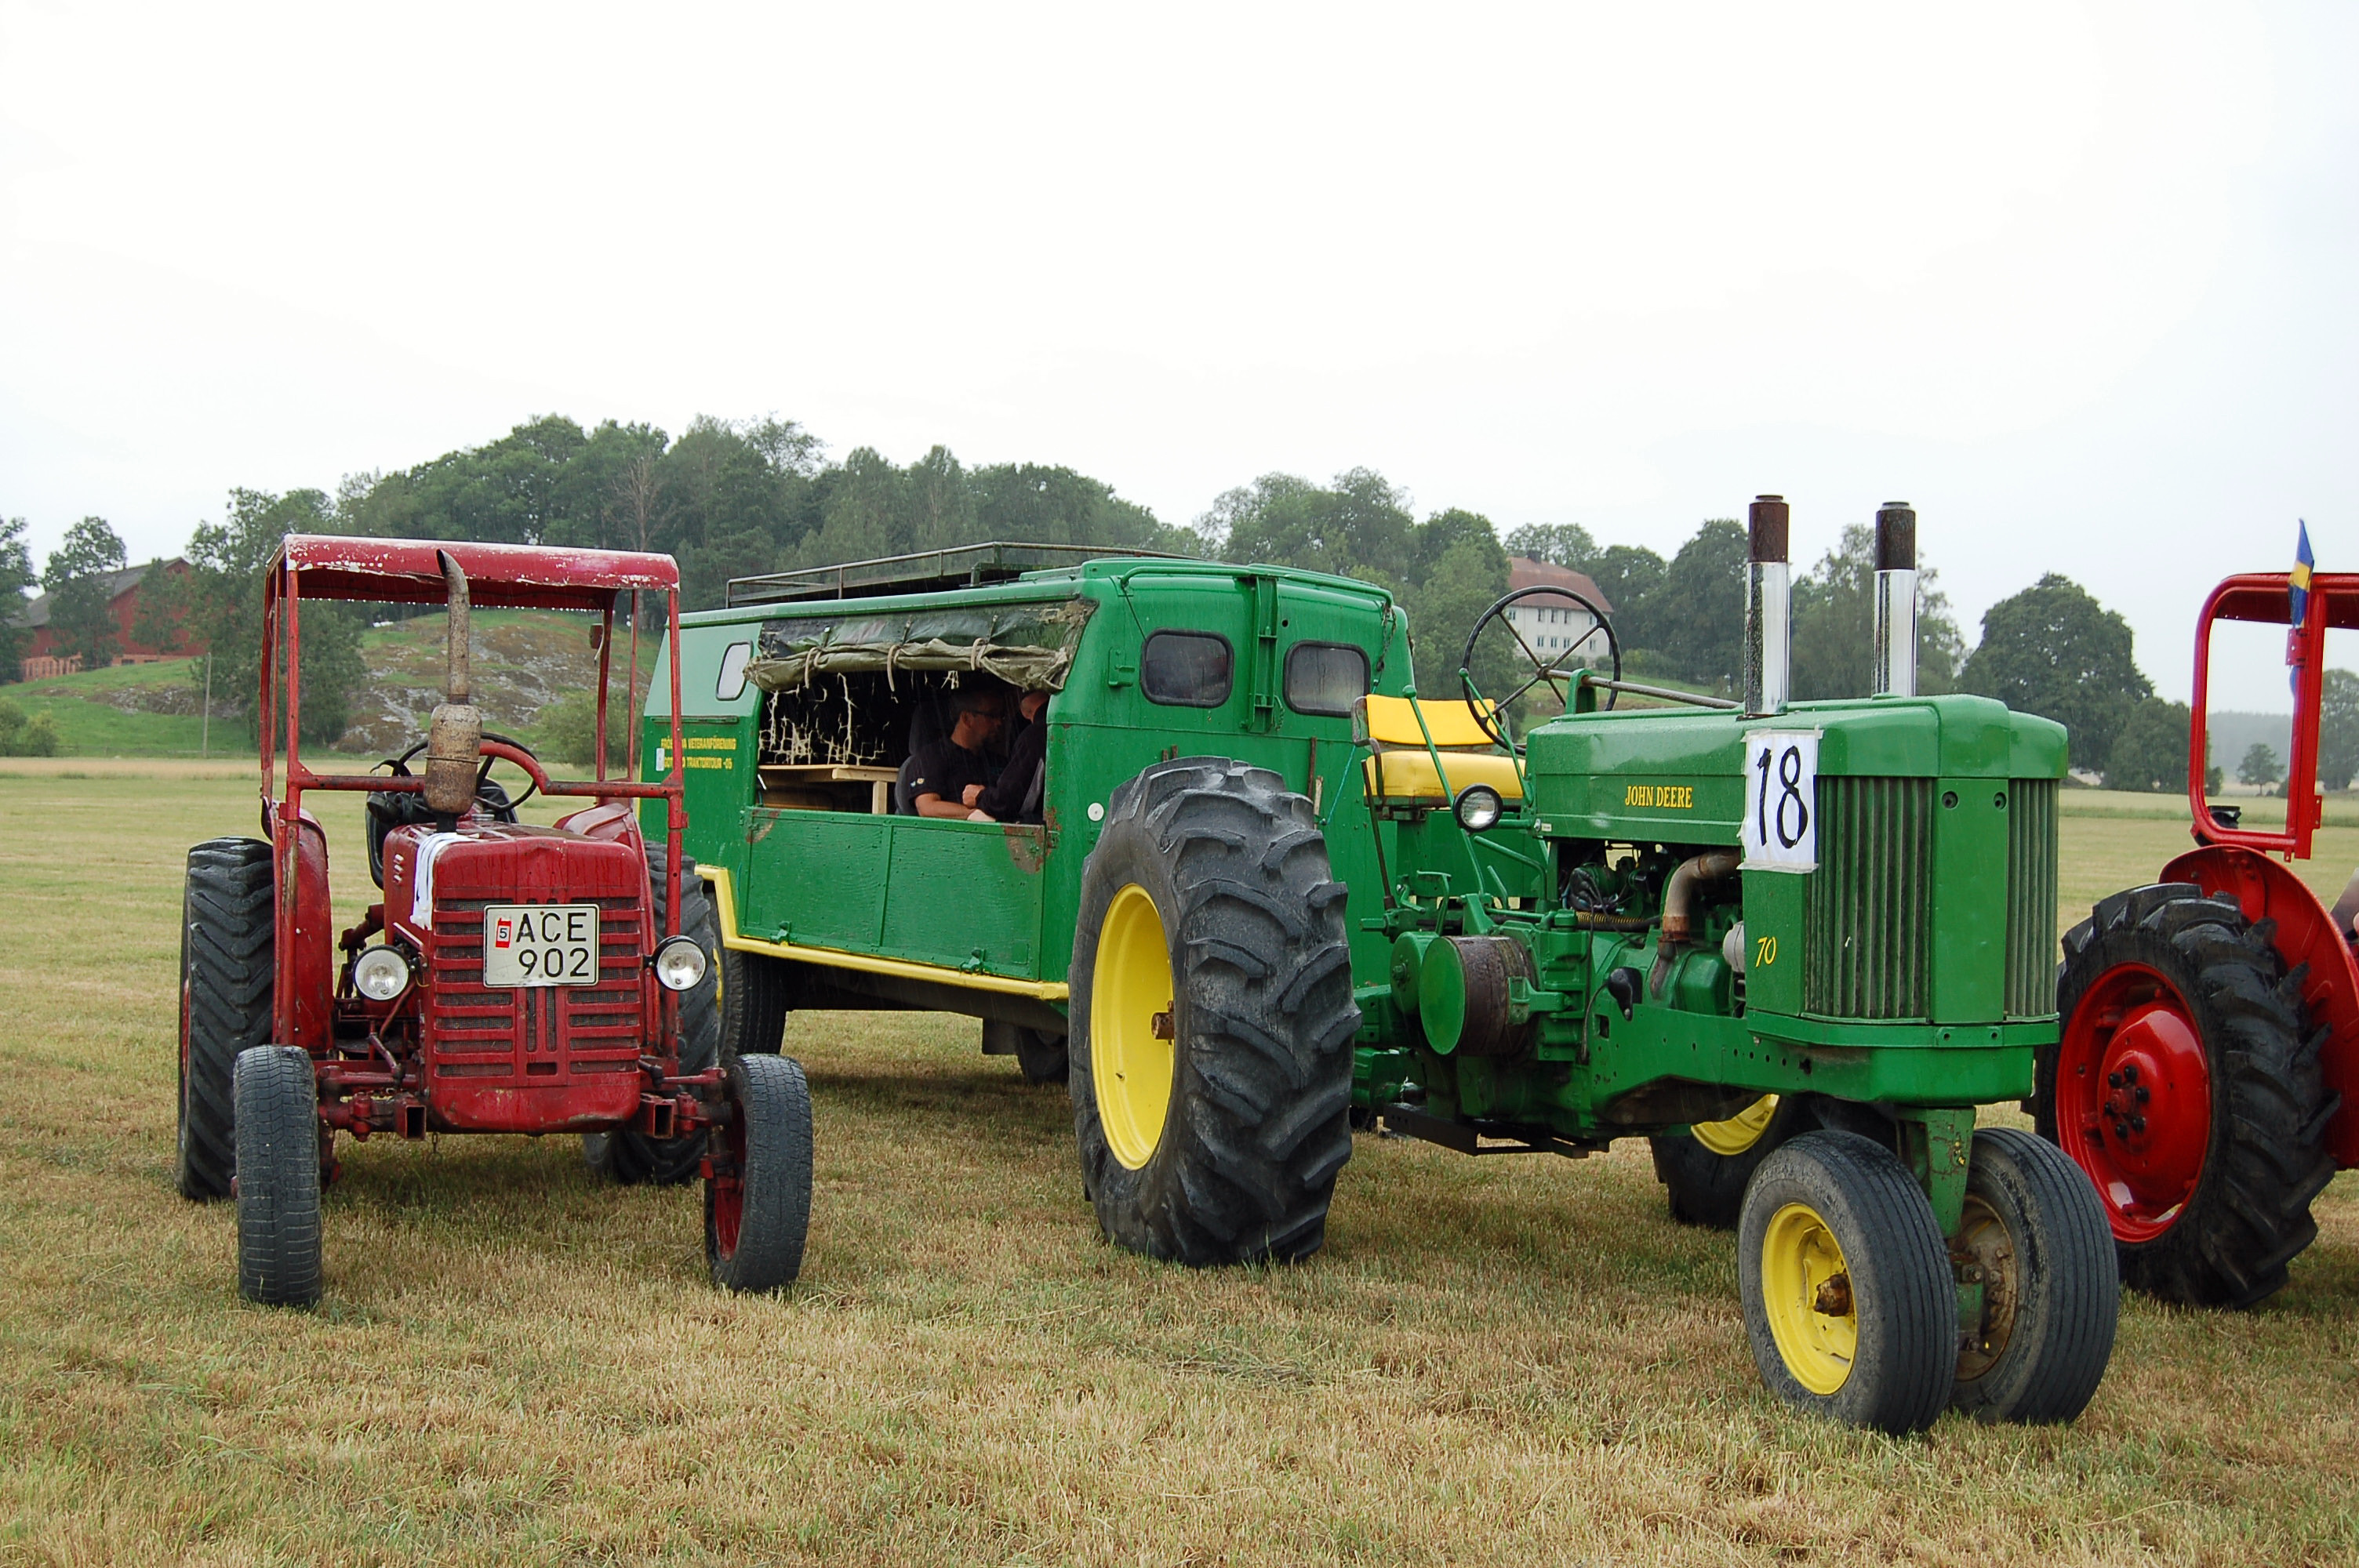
(948, 776)
(1004, 801)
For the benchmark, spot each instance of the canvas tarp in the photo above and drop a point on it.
(1030, 647)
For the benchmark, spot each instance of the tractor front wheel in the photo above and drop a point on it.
(757, 1199)
(277, 1177)
(2034, 1240)
(2186, 1083)
(1210, 1061)
(227, 929)
(1846, 1285)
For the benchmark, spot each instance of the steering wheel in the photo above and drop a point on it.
(1549, 670)
(400, 765)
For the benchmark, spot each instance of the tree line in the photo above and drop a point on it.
(733, 499)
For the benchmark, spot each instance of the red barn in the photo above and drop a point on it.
(123, 600)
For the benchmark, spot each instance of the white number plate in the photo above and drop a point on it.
(540, 945)
(1781, 800)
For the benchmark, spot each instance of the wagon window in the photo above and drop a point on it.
(732, 683)
(1186, 669)
(1325, 677)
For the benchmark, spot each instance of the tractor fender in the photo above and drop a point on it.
(2306, 935)
(307, 945)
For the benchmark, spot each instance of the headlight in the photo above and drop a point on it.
(1478, 808)
(680, 963)
(380, 973)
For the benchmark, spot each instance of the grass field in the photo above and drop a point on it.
(1494, 1361)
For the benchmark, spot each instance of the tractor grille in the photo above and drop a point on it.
(2031, 898)
(1867, 928)
(535, 1032)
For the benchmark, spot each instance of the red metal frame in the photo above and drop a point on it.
(2236, 862)
(2264, 598)
(410, 571)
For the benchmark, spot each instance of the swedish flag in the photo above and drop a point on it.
(2299, 580)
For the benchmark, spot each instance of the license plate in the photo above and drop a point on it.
(540, 945)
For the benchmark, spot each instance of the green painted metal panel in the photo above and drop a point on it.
(965, 894)
(819, 877)
(1969, 932)
(1776, 951)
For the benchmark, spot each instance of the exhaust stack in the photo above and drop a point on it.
(1896, 600)
(1768, 606)
(456, 733)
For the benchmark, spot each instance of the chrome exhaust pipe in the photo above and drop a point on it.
(1896, 600)
(1768, 609)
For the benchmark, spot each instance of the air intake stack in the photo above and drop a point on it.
(1896, 600)
(1768, 606)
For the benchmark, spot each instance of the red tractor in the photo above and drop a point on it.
(514, 979)
(2210, 1019)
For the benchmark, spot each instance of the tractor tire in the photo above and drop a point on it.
(2186, 1083)
(1210, 1061)
(1846, 1285)
(277, 1177)
(757, 1201)
(634, 1159)
(2036, 1234)
(227, 928)
(1041, 1058)
(755, 994)
(1705, 1169)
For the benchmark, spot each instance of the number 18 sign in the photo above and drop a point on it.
(1781, 800)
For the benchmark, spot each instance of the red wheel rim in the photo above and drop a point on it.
(727, 1188)
(2134, 1099)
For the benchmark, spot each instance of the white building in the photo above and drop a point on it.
(1554, 627)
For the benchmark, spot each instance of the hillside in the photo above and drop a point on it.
(523, 660)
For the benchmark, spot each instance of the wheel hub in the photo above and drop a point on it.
(2134, 1099)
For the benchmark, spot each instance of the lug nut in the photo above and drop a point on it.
(2144, 1094)
(2113, 1079)
(2129, 1073)
(2138, 1124)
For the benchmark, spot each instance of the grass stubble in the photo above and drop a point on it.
(1493, 1362)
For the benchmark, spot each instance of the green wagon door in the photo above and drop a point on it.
(965, 895)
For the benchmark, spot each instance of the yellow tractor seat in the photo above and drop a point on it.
(1400, 768)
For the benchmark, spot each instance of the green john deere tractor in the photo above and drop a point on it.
(1250, 892)
(1797, 945)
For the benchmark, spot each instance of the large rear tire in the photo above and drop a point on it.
(1211, 1060)
(2036, 1235)
(1846, 1285)
(277, 1177)
(227, 928)
(1706, 1168)
(635, 1158)
(755, 996)
(2186, 1083)
(757, 1201)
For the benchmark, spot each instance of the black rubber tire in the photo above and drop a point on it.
(1900, 1375)
(1708, 1189)
(2266, 1158)
(634, 1159)
(1244, 1166)
(2056, 1292)
(770, 1144)
(277, 1177)
(756, 997)
(227, 929)
(1042, 1058)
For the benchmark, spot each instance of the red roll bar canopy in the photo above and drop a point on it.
(505, 577)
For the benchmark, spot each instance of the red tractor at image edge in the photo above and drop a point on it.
(2210, 1038)
(515, 977)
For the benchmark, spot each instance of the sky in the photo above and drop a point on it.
(2076, 280)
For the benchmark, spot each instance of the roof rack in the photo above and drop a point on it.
(924, 571)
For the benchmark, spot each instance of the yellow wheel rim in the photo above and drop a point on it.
(1740, 1131)
(1806, 1292)
(1130, 1060)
